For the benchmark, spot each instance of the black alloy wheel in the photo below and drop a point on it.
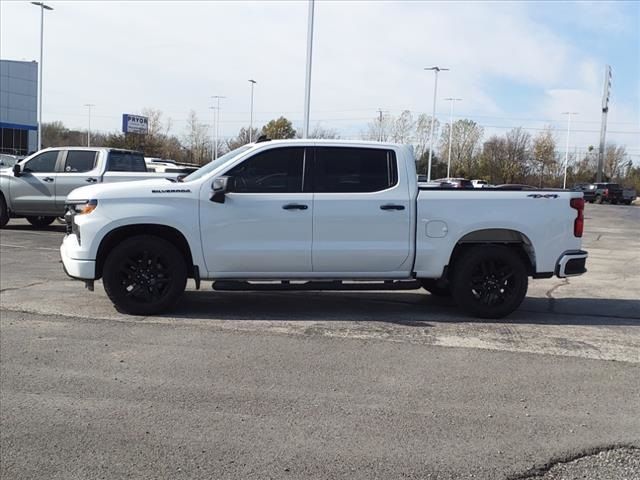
(490, 281)
(144, 275)
(4, 212)
(40, 221)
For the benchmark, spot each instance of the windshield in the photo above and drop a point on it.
(211, 166)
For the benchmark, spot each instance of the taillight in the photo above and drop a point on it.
(578, 223)
(606, 192)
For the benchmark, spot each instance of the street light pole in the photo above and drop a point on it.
(217, 124)
(436, 70)
(452, 100)
(89, 105)
(213, 132)
(253, 82)
(43, 7)
(566, 155)
(307, 85)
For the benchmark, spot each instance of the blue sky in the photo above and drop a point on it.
(513, 63)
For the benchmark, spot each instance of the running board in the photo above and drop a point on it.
(238, 285)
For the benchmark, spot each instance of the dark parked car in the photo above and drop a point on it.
(601, 192)
(454, 183)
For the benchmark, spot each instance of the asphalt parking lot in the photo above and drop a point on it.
(321, 385)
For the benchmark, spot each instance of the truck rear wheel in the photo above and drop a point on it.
(489, 281)
(598, 199)
(144, 275)
(40, 221)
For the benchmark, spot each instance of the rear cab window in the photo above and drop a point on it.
(354, 170)
(125, 162)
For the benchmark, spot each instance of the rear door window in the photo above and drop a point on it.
(357, 170)
(79, 161)
(126, 162)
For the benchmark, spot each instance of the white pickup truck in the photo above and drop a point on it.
(37, 186)
(315, 214)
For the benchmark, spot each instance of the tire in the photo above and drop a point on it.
(489, 281)
(614, 202)
(435, 288)
(4, 212)
(144, 275)
(598, 199)
(40, 221)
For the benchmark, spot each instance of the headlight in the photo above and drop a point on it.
(82, 207)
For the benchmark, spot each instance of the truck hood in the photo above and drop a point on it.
(134, 189)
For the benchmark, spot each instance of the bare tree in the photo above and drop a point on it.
(196, 139)
(614, 161)
(243, 138)
(403, 126)
(422, 133)
(380, 128)
(544, 152)
(465, 146)
(321, 132)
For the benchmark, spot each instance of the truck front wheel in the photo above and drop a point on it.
(489, 281)
(40, 221)
(144, 275)
(4, 212)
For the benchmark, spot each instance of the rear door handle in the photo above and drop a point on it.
(295, 206)
(391, 207)
(47, 179)
(91, 180)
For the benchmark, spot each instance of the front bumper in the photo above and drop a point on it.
(78, 269)
(572, 264)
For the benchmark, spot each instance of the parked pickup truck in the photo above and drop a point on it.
(318, 214)
(37, 186)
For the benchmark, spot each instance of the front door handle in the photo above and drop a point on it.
(47, 179)
(91, 180)
(391, 207)
(295, 206)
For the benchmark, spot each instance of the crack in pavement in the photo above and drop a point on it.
(537, 472)
(2, 290)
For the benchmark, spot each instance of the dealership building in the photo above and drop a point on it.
(18, 107)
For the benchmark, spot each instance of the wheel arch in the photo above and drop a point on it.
(117, 235)
(514, 239)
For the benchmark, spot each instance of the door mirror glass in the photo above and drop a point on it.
(16, 170)
(220, 187)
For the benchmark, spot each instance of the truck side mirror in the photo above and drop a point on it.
(220, 187)
(16, 170)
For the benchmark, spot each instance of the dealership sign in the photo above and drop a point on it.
(134, 124)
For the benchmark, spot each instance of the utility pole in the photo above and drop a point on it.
(216, 130)
(566, 155)
(603, 127)
(253, 82)
(380, 133)
(89, 105)
(436, 70)
(452, 100)
(43, 7)
(307, 83)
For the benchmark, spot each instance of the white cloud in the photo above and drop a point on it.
(174, 55)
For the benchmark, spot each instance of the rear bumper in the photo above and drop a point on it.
(572, 264)
(78, 269)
